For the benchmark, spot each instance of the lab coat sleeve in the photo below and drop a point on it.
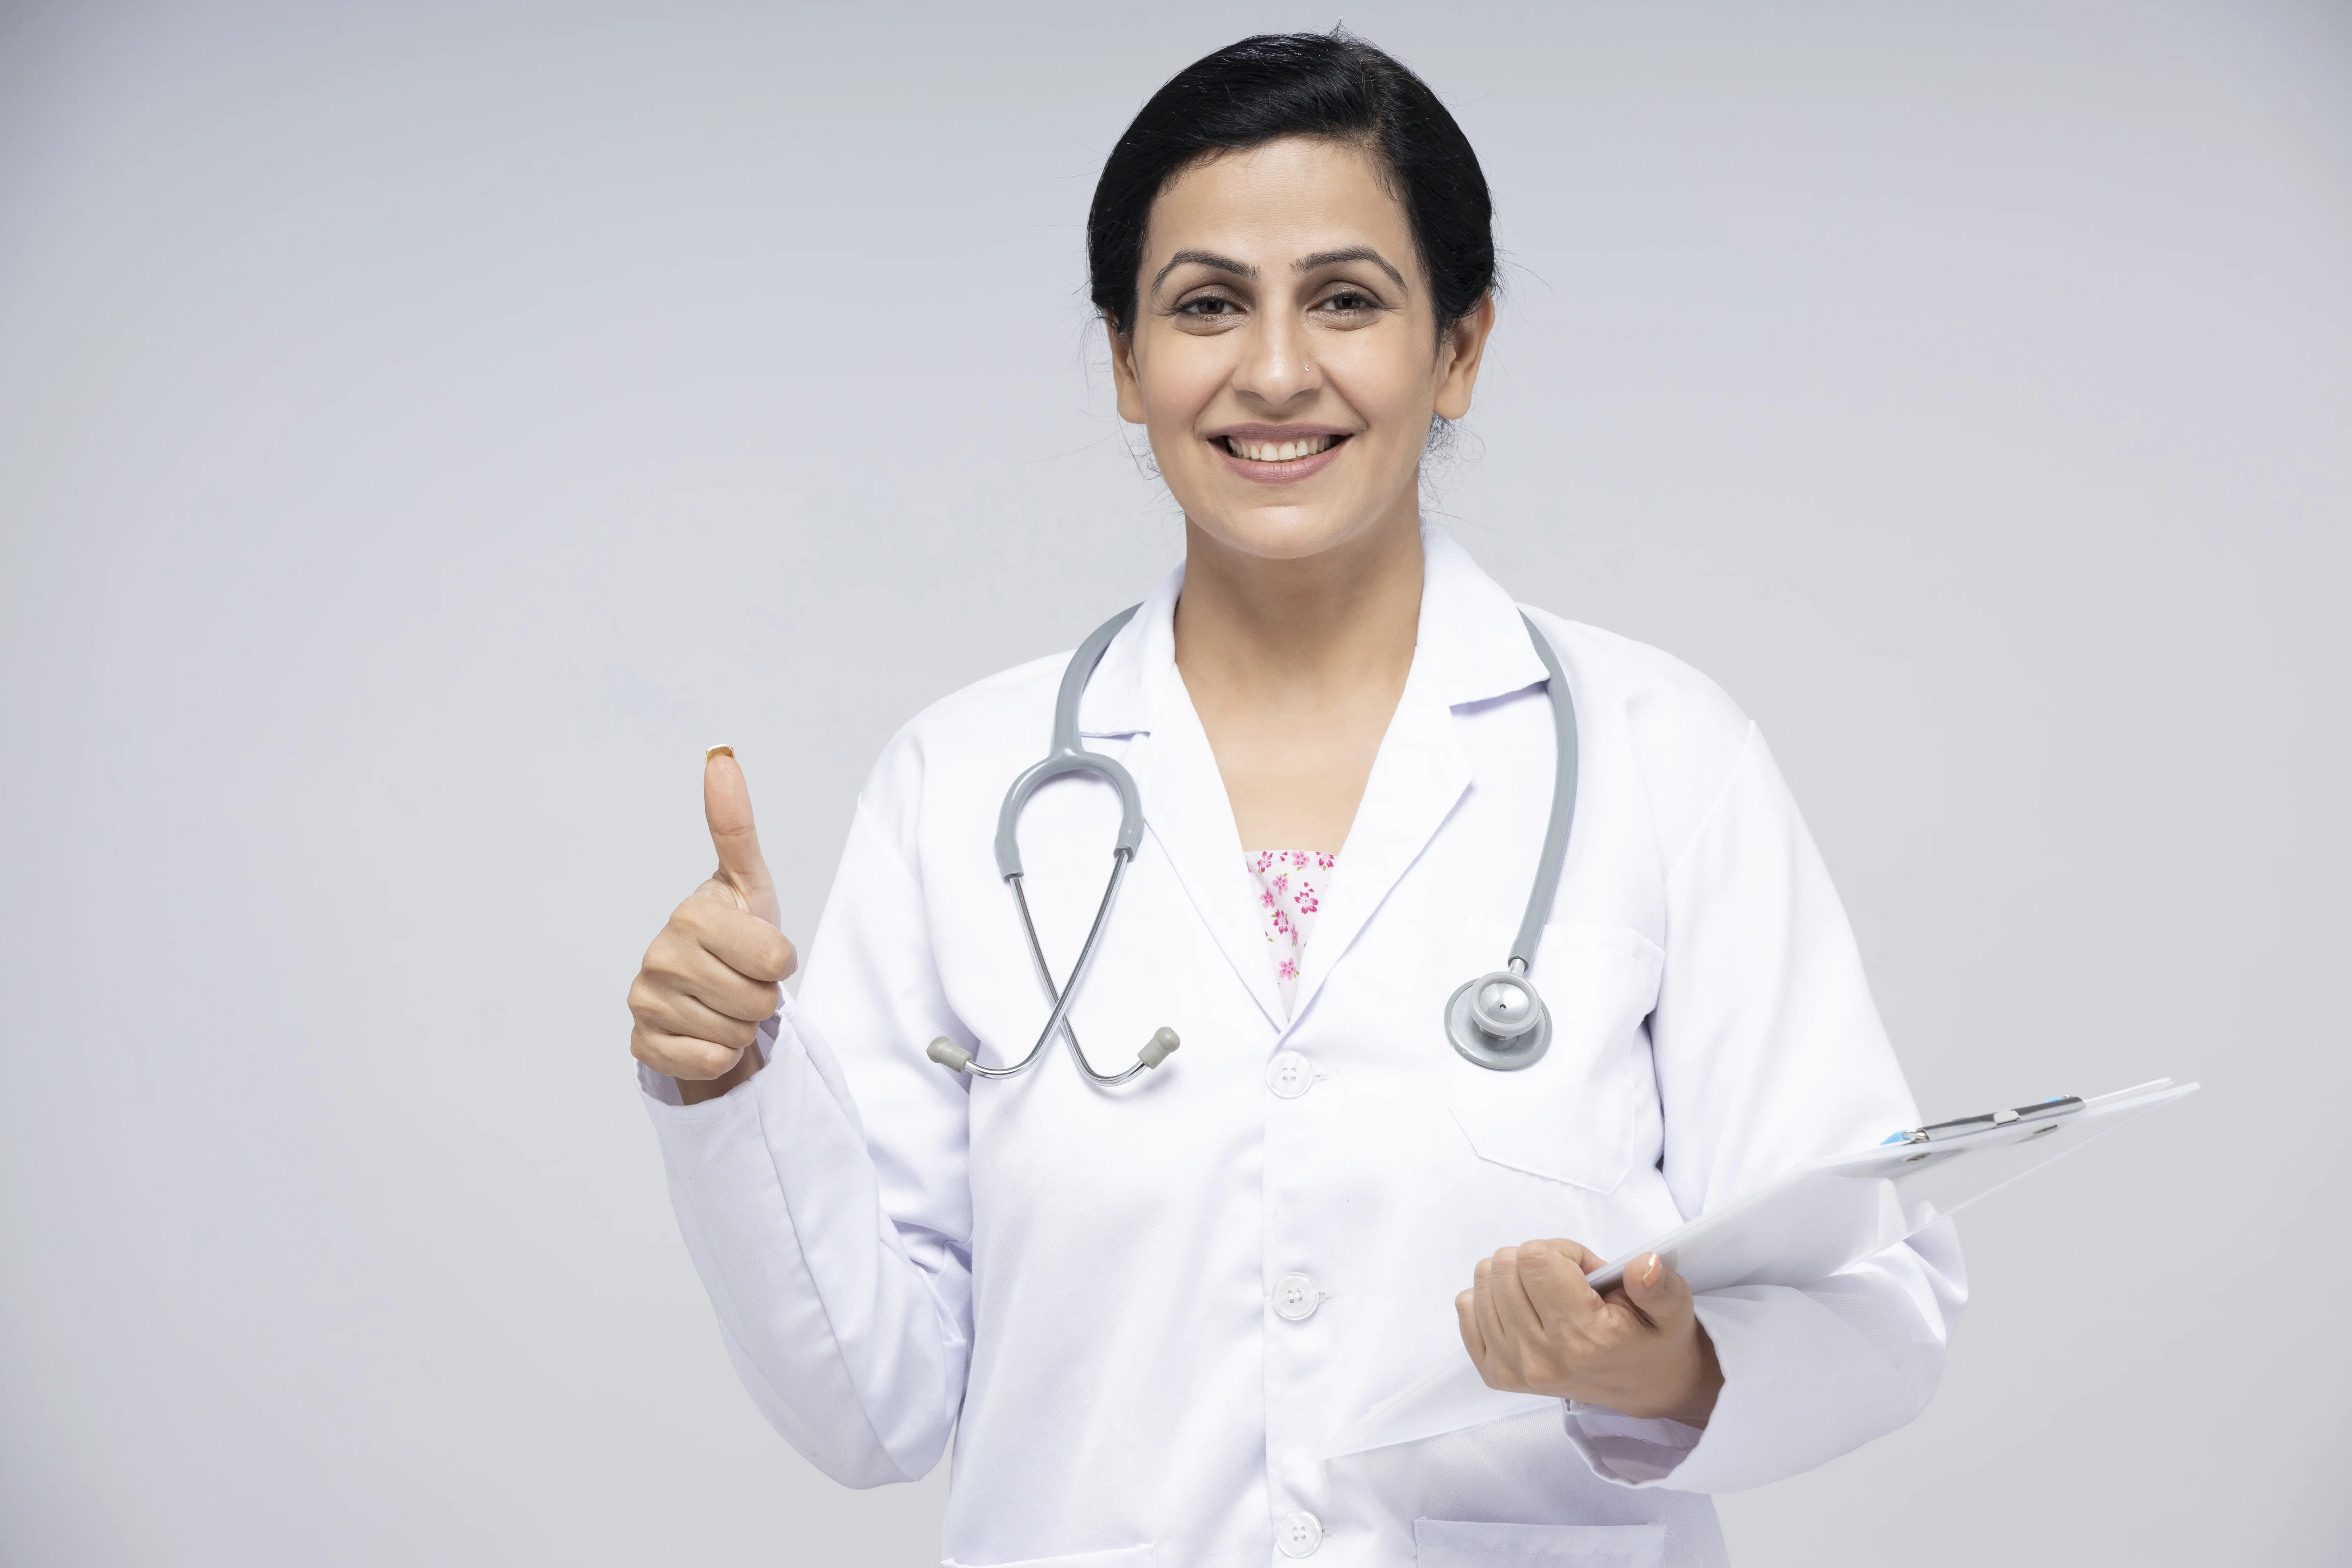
(1770, 1053)
(838, 1263)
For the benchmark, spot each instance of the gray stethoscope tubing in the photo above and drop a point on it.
(1498, 1020)
(1068, 757)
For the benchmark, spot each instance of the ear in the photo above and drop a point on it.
(1123, 372)
(1459, 352)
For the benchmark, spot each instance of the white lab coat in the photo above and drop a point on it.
(1080, 1283)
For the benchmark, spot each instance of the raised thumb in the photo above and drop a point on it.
(727, 806)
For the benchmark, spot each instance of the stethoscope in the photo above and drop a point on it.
(1498, 1020)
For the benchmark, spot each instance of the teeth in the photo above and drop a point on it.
(1278, 451)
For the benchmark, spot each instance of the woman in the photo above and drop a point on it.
(1147, 1310)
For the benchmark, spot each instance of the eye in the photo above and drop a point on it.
(1349, 300)
(1208, 306)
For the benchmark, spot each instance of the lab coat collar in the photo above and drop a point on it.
(1470, 626)
(1137, 668)
(1470, 638)
(1470, 647)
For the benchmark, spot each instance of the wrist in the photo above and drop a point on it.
(1706, 1382)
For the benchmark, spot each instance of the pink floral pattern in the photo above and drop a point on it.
(1291, 883)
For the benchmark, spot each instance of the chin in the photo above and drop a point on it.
(1285, 533)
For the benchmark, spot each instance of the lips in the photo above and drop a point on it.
(1281, 451)
(1272, 456)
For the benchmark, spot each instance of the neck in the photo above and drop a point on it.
(1301, 633)
(1294, 667)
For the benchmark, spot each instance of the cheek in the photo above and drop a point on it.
(1178, 379)
(1392, 394)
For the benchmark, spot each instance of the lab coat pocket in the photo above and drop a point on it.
(1117, 1557)
(1579, 1115)
(1452, 1543)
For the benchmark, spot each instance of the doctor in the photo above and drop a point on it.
(1144, 1311)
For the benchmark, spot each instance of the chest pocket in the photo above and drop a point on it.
(1582, 1113)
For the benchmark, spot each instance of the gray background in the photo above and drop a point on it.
(420, 432)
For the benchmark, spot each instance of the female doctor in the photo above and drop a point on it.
(1146, 1308)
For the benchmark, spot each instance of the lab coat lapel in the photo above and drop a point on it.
(1137, 691)
(1189, 815)
(1471, 647)
(1418, 778)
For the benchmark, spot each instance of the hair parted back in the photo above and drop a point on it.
(1331, 85)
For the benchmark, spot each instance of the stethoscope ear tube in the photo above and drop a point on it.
(1563, 803)
(1068, 756)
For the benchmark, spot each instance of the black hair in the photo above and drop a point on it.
(1274, 85)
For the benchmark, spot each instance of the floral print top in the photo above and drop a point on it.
(1290, 883)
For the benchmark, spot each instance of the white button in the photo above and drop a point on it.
(1289, 1075)
(1299, 1534)
(1294, 1297)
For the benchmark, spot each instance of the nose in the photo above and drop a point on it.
(1277, 364)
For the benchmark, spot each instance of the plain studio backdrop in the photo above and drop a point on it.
(423, 431)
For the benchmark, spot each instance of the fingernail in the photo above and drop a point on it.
(1657, 1265)
(718, 751)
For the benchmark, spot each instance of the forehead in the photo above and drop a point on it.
(1271, 204)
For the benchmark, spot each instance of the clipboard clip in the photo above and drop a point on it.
(1938, 1132)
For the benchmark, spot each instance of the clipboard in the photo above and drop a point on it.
(1799, 1227)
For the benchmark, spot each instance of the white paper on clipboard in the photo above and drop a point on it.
(1800, 1227)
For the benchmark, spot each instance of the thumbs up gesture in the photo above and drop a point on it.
(714, 974)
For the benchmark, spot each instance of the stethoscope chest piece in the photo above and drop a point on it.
(1499, 1022)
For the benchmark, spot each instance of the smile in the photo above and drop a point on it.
(1280, 452)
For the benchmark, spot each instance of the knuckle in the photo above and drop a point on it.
(748, 1002)
(648, 1047)
(773, 957)
(648, 999)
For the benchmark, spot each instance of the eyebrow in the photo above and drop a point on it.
(1204, 258)
(1321, 258)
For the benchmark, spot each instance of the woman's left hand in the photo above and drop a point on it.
(1534, 1326)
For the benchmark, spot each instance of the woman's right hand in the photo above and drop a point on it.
(715, 972)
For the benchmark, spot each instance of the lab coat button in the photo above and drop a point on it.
(1289, 1075)
(1299, 1534)
(1294, 1297)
